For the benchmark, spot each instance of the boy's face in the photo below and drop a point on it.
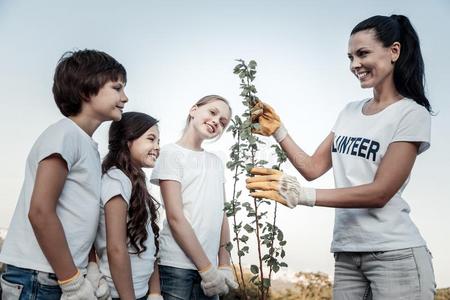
(109, 102)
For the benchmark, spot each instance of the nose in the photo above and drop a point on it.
(124, 98)
(355, 64)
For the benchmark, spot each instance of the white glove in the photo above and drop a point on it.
(155, 297)
(213, 282)
(77, 288)
(295, 194)
(280, 133)
(227, 272)
(98, 281)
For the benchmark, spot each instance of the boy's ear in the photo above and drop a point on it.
(84, 97)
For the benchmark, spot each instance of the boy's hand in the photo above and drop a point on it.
(275, 185)
(77, 288)
(155, 297)
(213, 282)
(268, 120)
(102, 291)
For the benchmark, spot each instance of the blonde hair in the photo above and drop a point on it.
(203, 101)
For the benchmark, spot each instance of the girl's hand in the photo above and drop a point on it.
(213, 282)
(227, 272)
(102, 291)
(275, 185)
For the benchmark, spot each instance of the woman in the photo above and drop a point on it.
(372, 147)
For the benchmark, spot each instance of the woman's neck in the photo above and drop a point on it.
(386, 93)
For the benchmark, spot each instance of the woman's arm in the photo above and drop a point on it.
(181, 229)
(224, 255)
(310, 167)
(393, 171)
(117, 246)
(51, 175)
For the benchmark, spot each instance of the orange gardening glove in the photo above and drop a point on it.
(275, 185)
(267, 118)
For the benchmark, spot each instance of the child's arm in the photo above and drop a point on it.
(224, 255)
(154, 283)
(51, 175)
(116, 245)
(181, 229)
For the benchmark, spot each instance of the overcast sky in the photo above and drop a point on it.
(175, 52)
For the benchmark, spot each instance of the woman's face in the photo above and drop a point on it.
(370, 61)
(145, 150)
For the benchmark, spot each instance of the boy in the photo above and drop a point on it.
(55, 221)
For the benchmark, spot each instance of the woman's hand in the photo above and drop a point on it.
(275, 185)
(268, 120)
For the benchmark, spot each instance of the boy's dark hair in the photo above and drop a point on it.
(80, 75)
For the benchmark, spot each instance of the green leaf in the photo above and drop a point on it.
(244, 238)
(266, 282)
(254, 269)
(275, 268)
(248, 228)
(280, 235)
(283, 264)
(282, 243)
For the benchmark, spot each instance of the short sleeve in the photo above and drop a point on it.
(168, 166)
(59, 139)
(415, 126)
(114, 183)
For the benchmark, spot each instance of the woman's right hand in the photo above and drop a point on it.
(268, 120)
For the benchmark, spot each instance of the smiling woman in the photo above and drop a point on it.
(374, 143)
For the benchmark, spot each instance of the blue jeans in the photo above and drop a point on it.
(24, 284)
(397, 274)
(181, 284)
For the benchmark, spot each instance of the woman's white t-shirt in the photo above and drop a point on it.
(360, 142)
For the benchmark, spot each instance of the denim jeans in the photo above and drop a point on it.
(177, 284)
(24, 284)
(397, 274)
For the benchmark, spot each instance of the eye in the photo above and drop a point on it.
(212, 112)
(350, 57)
(118, 88)
(151, 139)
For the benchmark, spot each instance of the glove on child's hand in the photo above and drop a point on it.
(275, 185)
(227, 272)
(213, 282)
(77, 288)
(268, 120)
(102, 290)
(155, 297)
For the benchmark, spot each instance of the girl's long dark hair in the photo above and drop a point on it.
(409, 68)
(130, 127)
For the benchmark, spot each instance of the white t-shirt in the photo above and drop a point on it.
(78, 205)
(360, 142)
(201, 175)
(114, 183)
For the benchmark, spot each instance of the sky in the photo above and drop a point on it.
(175, 52)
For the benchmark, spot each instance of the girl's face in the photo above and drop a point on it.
(145, 150)
(210, 119)
(370, 61)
